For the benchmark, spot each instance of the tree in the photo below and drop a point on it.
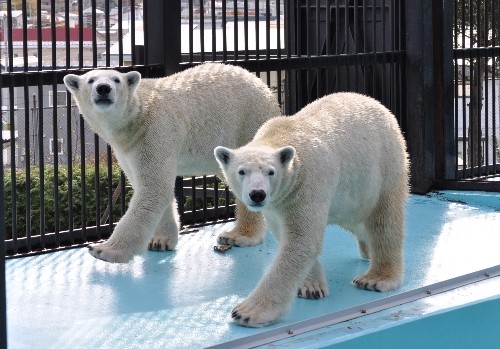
(478, 21)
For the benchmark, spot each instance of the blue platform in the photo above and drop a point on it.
(183, 299)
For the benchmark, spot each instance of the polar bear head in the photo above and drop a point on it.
(102, 91)
(253, 173)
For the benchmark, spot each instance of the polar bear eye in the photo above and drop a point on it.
(91, 81)
(271, 173)
(241, 172)
(117, 80)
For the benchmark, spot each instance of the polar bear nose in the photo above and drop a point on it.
(258, 195)
(103, 89)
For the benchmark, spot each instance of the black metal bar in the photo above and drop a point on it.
(83, 176)
(202, 30)
(120, 34)
(224, 31)
(108, 34)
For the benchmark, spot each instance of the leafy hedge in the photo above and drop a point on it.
(89, 200)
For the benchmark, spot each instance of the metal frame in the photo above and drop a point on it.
(361, 310)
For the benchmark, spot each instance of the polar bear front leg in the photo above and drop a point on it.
(134, 230)
(166, 234)
(315, 286)
(274, 294)
(250, 228)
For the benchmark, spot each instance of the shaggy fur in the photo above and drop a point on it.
(163, 128)
(340, 160)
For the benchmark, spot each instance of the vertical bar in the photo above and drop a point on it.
(110, 187)
(486, 94)
(132, 31)
(67, 35)
(97, 188)
(69, 159)
(214, 45)
(94, 34)
(123, 180)
(257, 32)
(53, 32)
(278, 45)
(179, 195)
(245, 27)
(3, 233)
(41, 163)
(120, 34)
(235, 29)
(27, 169)
(55, 145)
(216, 198)
(464, 119)
(83, 176)
(202, 30)
(193, 200)
(190, 30)
(268, 41)
(224, 32)
(80, 32)
(328, 21)
(346, 43)
(205, 199)
(108, 34)
(493, 92)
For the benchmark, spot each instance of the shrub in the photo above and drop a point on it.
(80, 204)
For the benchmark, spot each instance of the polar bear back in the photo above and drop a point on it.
(209, 105)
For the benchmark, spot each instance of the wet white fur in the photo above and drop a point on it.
(340, 160)
(167, 127)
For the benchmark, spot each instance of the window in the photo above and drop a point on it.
(60, 98)
(58, 145)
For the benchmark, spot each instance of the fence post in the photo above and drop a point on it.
(421, 89)
(162, 34)
(3, 305)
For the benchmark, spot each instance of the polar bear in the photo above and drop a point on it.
(168, 127)
(340, 160)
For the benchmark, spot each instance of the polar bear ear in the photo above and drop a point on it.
(133, 78)
(223, 155)
(72, 82)
(286, 154)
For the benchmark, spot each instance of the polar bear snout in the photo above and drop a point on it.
(257, 196)
(103, 90)
(103, 95)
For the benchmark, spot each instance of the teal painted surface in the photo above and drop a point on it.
(183, 299)
(474, 326)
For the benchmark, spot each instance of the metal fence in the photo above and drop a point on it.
(476, 54)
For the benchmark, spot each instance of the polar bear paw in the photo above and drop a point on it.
(110, 253)
(163, 242)
(313, 290)
(376, 283)
(256, 314)
(241, 239)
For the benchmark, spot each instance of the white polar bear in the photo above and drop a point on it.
(340, 160)
(167, 127)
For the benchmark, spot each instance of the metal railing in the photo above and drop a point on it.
(476, 55)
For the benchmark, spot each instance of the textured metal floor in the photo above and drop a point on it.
(183, 298)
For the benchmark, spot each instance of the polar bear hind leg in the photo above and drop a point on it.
(385, 232)
(166, 234)
(250, 228)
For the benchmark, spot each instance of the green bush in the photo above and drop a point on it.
(49, 195)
